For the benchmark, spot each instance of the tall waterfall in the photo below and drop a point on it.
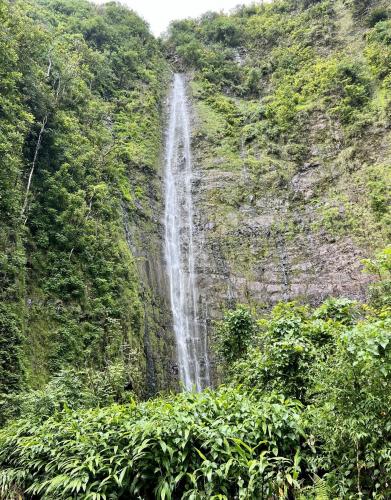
(179, 245)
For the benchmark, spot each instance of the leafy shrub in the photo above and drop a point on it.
(224, 30)
(380, 291)
(234, 333)
(337, 360)
(280, 365)
(350, 416)
(286, 320)
(378, 50)
(74, 389)
(285, 353)
(341, 310)
(209, 445)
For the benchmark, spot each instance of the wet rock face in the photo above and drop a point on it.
(258, 245)
(144, 232)
(253, 263)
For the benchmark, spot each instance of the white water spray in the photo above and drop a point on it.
(179, 245)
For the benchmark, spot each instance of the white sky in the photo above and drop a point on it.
(159, 13)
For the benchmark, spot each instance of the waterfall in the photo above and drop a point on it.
(189, 329)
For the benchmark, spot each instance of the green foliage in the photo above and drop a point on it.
(15, 120)
(10, 365)
(281, 366)
(335, 85)
(223, 30)
(246, 440)
(378, 51)
(350, 414)
(209, 445)
(337, 360)
(282, 360)
(72, 389)
(341, 310)
(380, 291)
(81, 88)
(234, 334)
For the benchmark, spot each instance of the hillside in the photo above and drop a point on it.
(81, 122)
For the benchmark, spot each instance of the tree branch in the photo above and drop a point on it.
(38, 145)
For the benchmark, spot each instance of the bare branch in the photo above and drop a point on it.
(38, 145)
(49, 67)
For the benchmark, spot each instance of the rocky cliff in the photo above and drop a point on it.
(291, 135)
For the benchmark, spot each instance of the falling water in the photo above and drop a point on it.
(179, 245)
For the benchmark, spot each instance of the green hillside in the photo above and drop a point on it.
(81, 125)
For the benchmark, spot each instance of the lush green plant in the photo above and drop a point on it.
(234, 334)
(10, 366)
(337, 360)
(341, 310)
(281, 366)
(284, 356)
(81, 88)
(209, 445)
(380, 291)
(231, 441)
(350, 416)
(74, 389)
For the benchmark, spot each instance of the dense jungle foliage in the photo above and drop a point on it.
(81, 95)
(301, 407)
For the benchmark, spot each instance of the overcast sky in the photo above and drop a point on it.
(159, 13)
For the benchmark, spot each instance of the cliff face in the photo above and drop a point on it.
(145, 237)
(291, 137)
(82, 90)
(261, 242)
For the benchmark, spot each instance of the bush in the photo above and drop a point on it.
(209, 445)
(337, 360)
(350, 416)
(223, 30)
(285, 353)
(378, 50)
(73, 389)
(282, 366)
(342, 310)
(234, 334)
(380, 291)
